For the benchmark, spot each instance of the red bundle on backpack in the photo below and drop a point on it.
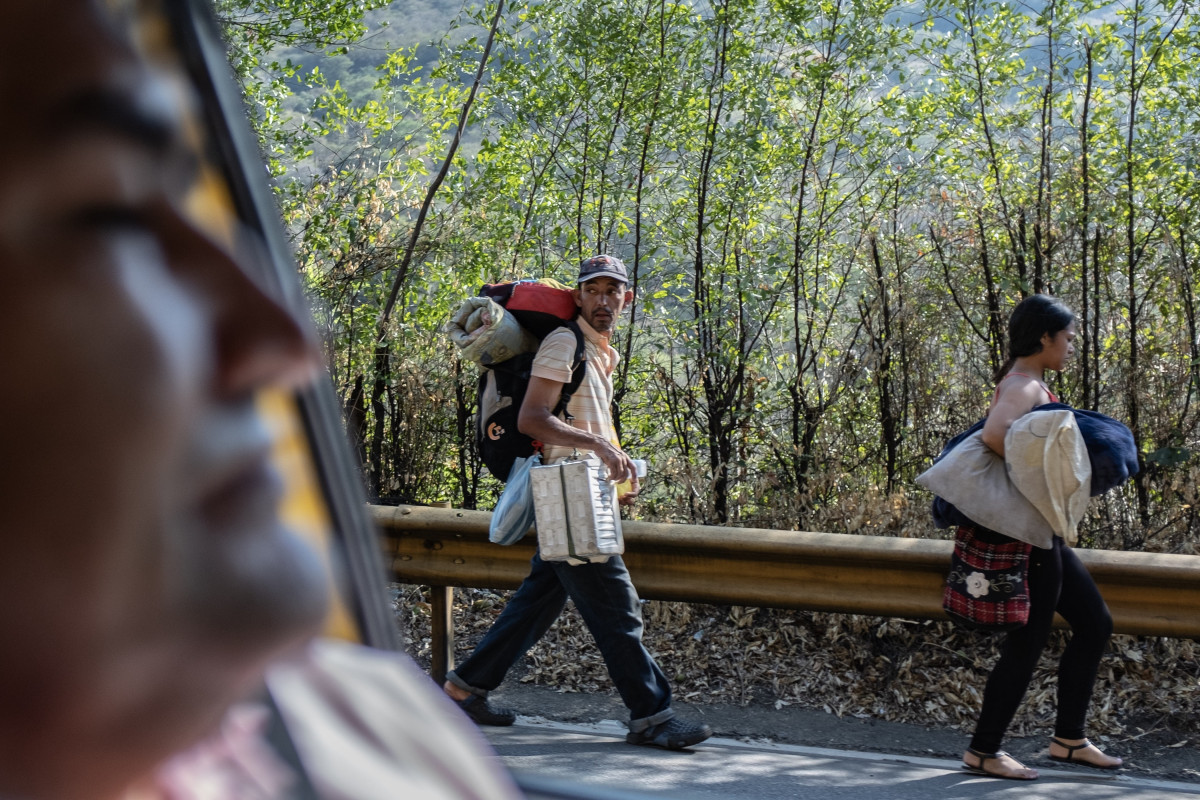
(540, 306)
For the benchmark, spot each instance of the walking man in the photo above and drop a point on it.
(602, 592)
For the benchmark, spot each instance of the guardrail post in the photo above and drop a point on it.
(441, 624)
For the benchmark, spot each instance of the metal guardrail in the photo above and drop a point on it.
(1152, 594)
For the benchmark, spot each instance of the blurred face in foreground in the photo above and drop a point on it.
(145, 578)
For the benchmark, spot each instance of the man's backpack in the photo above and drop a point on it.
(531, 310)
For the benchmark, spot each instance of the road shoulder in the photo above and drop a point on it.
(1156, 755)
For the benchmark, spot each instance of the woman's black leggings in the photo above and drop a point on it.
(1058, 581)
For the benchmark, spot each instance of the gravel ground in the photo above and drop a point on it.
(843, 681)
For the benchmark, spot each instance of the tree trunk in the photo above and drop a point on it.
(379, 421)
(465, 406)
(1090, 367)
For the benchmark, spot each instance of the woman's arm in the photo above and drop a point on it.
(1017, 397)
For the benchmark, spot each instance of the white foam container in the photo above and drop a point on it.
(576, 510)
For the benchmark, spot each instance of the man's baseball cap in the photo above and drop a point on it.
(603, 267)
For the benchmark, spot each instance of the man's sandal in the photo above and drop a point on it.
(978, 769)
(1070, 758)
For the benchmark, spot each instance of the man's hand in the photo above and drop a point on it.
(620, 469)
(620, 466)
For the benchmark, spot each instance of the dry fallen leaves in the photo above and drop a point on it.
(894, 669)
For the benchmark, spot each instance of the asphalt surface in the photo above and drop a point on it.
(593, 762)
(1151, 747)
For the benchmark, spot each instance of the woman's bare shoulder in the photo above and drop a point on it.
(1017, 390)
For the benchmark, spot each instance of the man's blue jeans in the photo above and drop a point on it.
(609, 605)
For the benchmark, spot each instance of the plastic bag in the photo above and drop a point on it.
(514, 516)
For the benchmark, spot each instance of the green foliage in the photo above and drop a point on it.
(828, 210)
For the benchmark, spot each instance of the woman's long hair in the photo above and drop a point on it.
(1034, 316)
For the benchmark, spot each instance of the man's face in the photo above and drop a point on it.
(145, 576)
(600, 302)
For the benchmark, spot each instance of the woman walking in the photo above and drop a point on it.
(1041, 331)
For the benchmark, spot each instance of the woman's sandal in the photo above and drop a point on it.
(1070, 758)
(978, 769)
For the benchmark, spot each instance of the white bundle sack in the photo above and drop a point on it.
(974, 479)
(1048, 461)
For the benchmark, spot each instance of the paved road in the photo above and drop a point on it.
(596, 758)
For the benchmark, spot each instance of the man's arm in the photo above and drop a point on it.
(538, 421)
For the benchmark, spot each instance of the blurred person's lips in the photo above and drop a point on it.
(237, 484)
(246, 497)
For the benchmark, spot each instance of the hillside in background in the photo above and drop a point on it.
(406, 24)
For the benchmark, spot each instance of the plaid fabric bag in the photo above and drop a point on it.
(987, 588)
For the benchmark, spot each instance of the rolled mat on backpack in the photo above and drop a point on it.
(486, 333)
